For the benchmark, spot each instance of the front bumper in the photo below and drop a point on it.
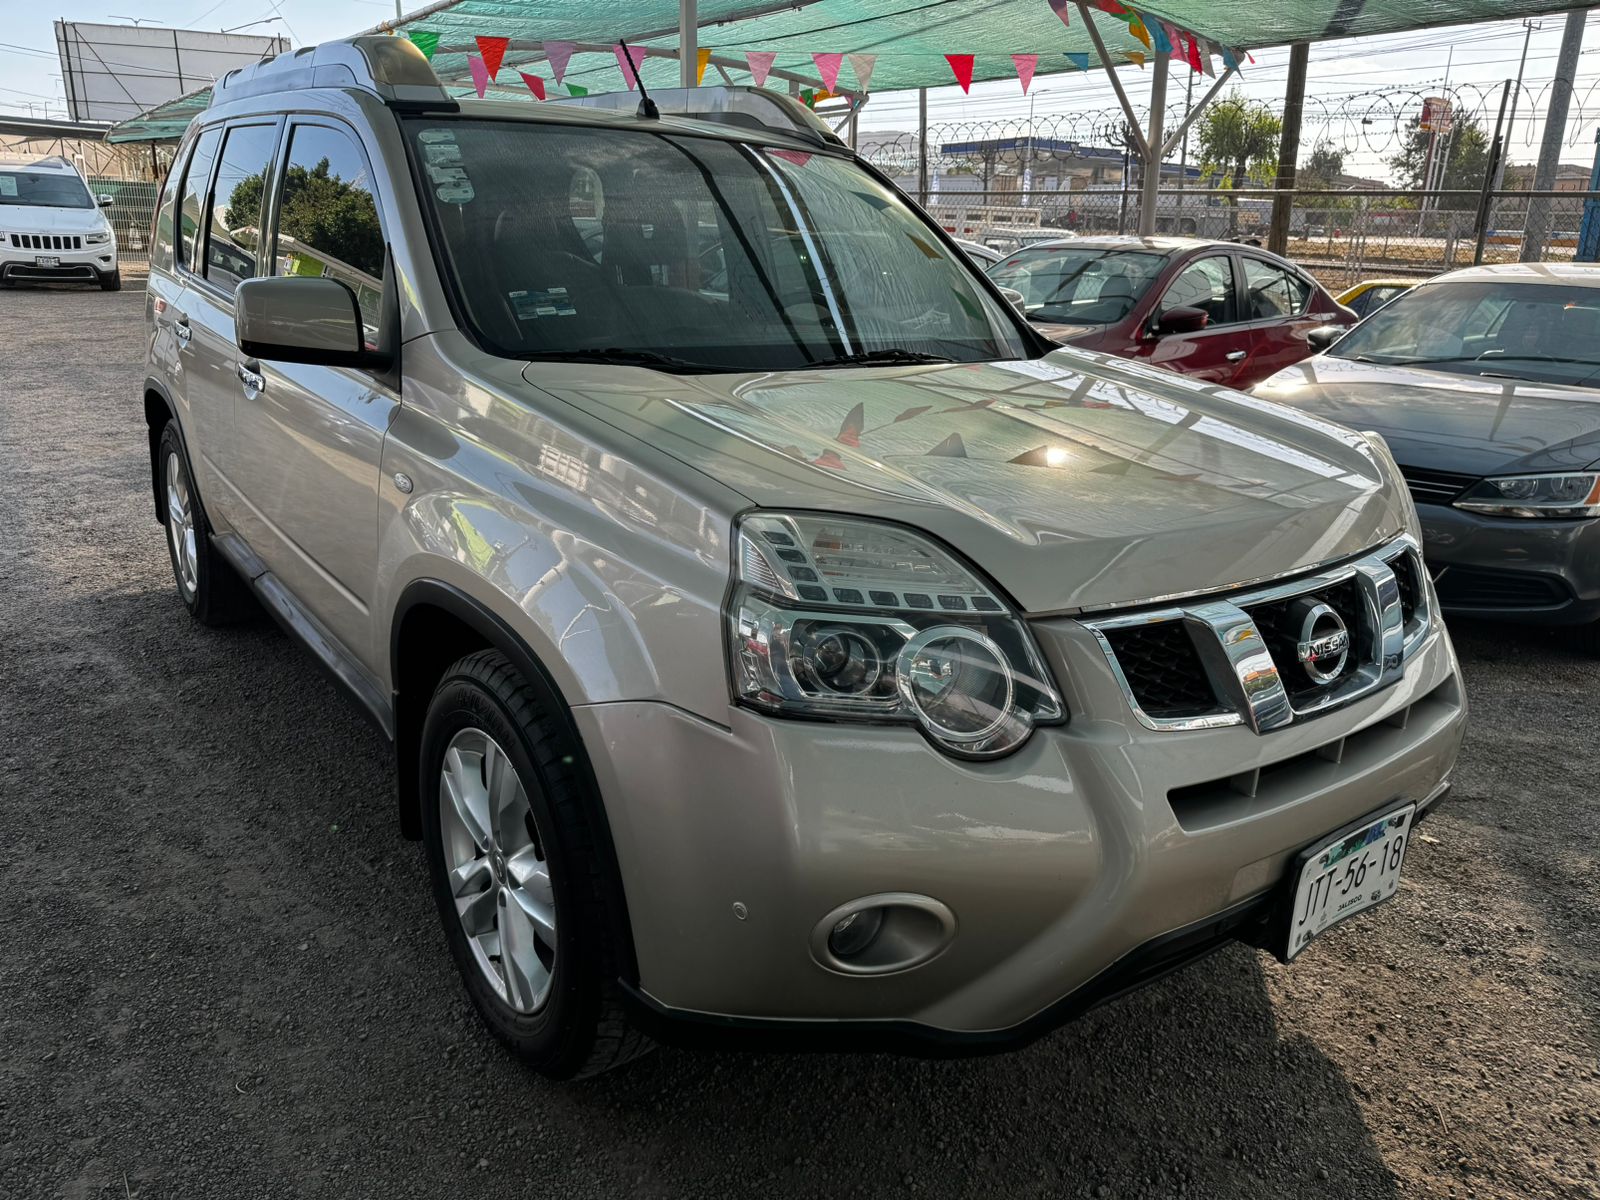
(86, 265)
(1513, 569)
(1068, 866)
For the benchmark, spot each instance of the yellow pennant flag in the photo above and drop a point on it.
(1136, 27)
(1135, 57)
(702, 58)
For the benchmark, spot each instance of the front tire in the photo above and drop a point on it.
(208, 586)
(111, 281)
(507, 826)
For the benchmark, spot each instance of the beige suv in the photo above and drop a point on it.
(779, 641)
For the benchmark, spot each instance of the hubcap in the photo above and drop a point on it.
(180, 526)
(498, 874)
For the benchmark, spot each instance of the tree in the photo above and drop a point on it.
(1466, 158)
(1321, 171)
(1238, 146)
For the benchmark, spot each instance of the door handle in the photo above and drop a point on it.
(250, 375)
(181, 329)
(1235, 356)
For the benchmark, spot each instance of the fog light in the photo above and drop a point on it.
(855, 933)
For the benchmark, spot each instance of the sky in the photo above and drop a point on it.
(1380, 77)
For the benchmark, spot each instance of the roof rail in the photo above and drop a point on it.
(391, 68)
(736, 104)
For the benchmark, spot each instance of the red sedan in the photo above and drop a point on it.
(1221, 311)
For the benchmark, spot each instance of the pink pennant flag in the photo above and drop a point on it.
(961, 67)
(828, 68)
(480, 74)
(760, 63)
(1062, 8)
(1025, 63)
(535, 84)
(1175, 37)
(493, 50)
(558, 53)
(636, 53)
(862, 65)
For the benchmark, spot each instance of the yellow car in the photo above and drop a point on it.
(1372, 294)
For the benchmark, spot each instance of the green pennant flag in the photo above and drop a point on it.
(425, 41)
(574, 90)
(808, 97)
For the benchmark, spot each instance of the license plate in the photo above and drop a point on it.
(1347, 874)
(46, 260)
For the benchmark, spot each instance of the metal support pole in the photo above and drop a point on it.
(922, 147)
(688, 43)
(1555, 128)
(1111, 74)
(1152, 147)
(1294, 103)
(1497, 151)
(1516, 94)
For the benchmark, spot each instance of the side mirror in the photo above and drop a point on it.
(105, 201)
(1182, 319)
(1323, 336)
(1013, 297)
(301, 319)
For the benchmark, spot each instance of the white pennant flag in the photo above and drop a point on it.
(862, 65)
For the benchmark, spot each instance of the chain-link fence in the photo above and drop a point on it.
(1341, 237)
(132, 209)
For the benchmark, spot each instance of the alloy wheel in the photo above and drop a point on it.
(180, 526)
(498, 873)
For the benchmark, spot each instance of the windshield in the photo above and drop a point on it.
(699, 253)
(1541, 332)
(35, 189)
(1079, 285)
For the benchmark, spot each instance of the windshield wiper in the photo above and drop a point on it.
(1553, 358)
(626, 357)
(871, 358)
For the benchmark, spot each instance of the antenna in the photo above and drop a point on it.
(647, 107)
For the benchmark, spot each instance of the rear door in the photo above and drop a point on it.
(1282, 310)
(1215, 353)
(311, 437)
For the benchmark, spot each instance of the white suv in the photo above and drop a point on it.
(52, 229)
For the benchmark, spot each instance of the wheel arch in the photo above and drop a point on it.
(435, 624)
(158, 412)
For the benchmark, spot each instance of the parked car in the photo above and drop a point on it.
(1372, 294)
(1486, 384)
(51, 229)
(807, 652)
(1219, 311)
(982, 256)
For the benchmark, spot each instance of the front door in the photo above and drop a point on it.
(1216, 352)
(311, 438)
(1279, 304)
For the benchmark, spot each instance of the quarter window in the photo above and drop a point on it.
(328, 219)
(1273, 291)
(233, 236)
(193, 205)
(1206, 284)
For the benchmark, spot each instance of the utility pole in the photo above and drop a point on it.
(1555, 128)
(922, 147)
(1516, 92)
(1294, 103)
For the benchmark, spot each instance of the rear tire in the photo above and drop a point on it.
(1588, 638)
(111, 281)
(207, 584)
(508, 829)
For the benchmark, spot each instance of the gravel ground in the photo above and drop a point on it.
(221, 973)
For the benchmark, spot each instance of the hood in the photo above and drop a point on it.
(1435, 420)
(1075, 481)
(30, 219)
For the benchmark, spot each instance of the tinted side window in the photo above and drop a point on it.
(192, 207)
(327, 217)
(1274, 292)
(1206, 284)
(233, 237)
(161, 240)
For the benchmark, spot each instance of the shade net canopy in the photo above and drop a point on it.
(910, 38)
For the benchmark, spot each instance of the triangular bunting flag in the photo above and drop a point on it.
(961, 68)
(493, 51)
(535, 84)
(702, 59)
(425, 40)
(1025, 64)
(862, 65)
(1137, 28)
(807, 97)
(1112, 8)
(1136, 58)
(1158, 30)
(637, 54)
(1194, 52)
(1062, 9)
(1230, 59)
(1175, 40)
(1079, 60)
(1206, 51)
(828, 68)
(760, 63)
(480, 74)
(574, 90)
(558, 53)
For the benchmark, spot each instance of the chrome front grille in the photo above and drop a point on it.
(46, 241)
(1271, 656)
(1435, 487)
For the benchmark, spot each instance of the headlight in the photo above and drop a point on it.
(850, 619)
(1575, 494)
(97, 239)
